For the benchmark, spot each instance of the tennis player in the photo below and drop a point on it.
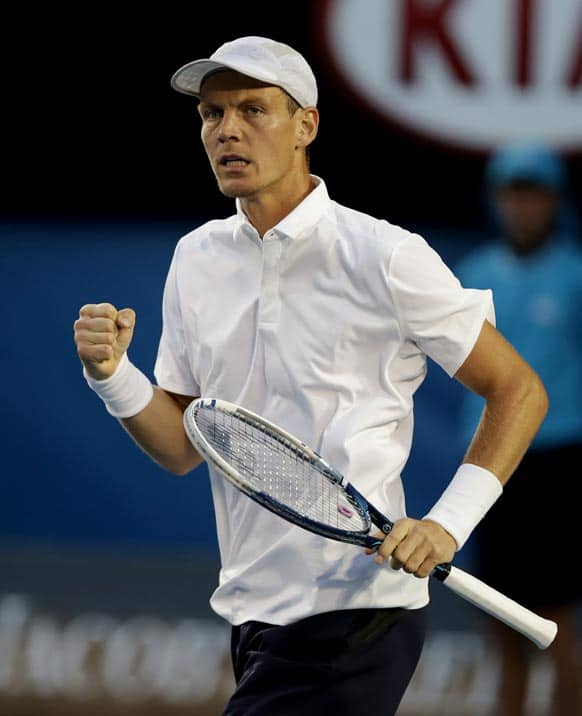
(321, 319)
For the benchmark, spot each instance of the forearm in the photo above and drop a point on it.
(511, 418)
(152, 416)
(515, 406)
(158, 430)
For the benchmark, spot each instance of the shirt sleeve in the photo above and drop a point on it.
(172, 369)
(435, 311)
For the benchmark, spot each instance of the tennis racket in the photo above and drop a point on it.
(290, 479)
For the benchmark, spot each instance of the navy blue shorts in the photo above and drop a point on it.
(344, 663)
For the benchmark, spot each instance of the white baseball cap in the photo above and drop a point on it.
(258, 57)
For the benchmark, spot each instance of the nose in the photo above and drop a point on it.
(229, 127)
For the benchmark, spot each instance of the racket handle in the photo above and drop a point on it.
(539, 630)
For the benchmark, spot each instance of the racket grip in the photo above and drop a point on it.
(539, 630)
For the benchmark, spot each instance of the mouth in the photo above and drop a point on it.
(233, 161)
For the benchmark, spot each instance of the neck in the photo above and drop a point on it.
(525, 245)
(272, 204)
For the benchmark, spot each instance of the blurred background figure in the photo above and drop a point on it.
(526, 546)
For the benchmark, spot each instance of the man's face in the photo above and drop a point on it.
(527, 213)
(248, 133)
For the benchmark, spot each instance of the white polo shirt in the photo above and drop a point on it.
(323, 327)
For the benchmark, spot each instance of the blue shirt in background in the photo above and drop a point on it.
(538, 306)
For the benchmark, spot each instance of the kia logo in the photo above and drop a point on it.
(471, 73)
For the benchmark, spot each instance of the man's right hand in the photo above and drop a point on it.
(102, 335)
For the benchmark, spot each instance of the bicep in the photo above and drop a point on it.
(493, 364)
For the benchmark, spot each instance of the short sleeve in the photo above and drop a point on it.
(435, 311)
(172, 369)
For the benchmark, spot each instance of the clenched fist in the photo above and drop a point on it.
(102, 335)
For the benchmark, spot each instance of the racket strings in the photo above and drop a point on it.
(267, 463)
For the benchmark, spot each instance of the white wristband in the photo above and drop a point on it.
(126, 392)
(470, 494)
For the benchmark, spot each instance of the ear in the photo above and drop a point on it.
(307, 125)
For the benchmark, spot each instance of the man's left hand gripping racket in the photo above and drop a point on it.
(287, 477)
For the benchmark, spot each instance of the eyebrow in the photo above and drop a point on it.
(254, 99)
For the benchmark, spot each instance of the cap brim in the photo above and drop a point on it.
(189, 78)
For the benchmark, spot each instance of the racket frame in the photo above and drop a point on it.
(212, 456)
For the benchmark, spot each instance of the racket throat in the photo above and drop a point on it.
(442, 571)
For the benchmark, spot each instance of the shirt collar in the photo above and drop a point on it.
(302, 218)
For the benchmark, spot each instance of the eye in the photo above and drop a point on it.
(210, 114)
(254, 111)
